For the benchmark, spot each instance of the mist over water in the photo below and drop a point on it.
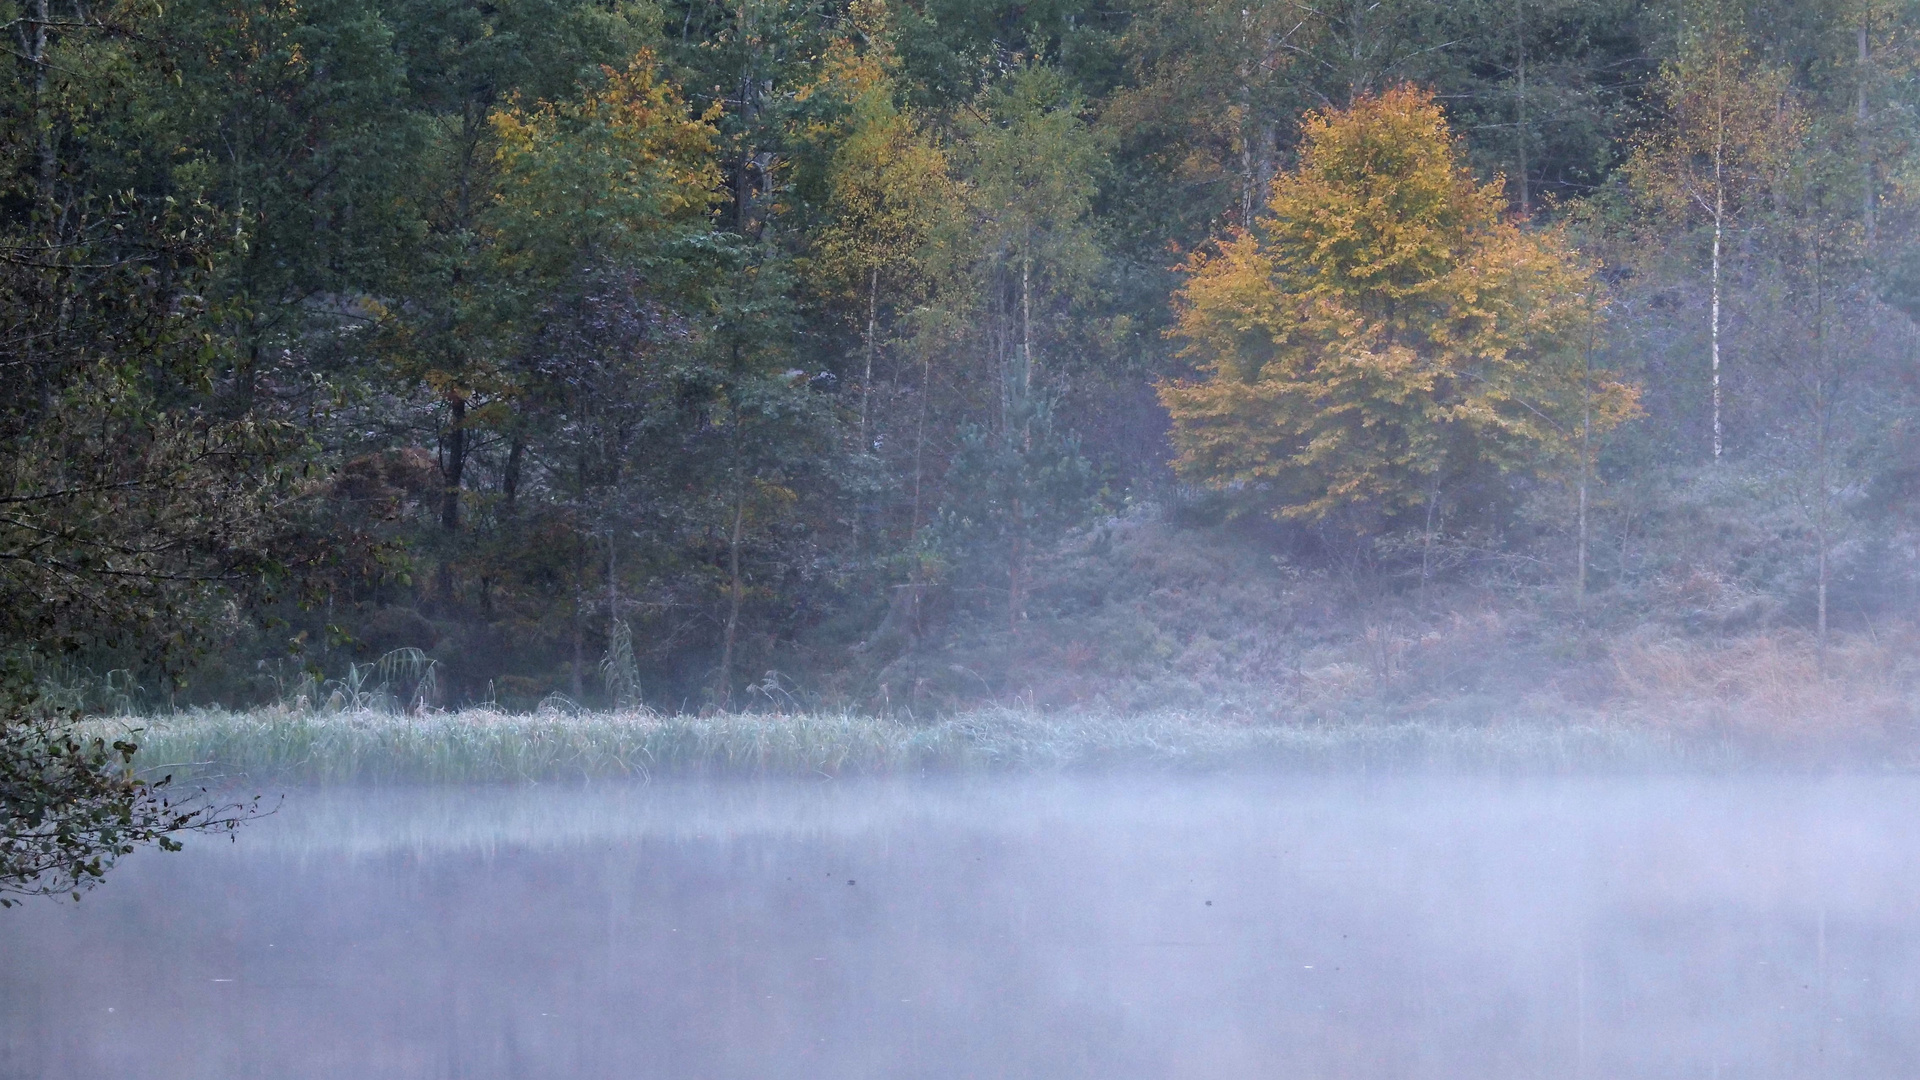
(1089, 927)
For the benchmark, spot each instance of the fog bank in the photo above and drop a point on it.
(1110, 927)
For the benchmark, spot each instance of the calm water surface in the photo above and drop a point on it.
(1048, 928)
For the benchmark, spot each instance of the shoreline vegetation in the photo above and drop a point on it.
(482, 745)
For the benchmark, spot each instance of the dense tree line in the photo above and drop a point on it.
(639, 350)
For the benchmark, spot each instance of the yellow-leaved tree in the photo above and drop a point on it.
(611, 175)
(1384, 333)
(888, 186)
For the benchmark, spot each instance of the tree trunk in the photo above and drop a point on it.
(1586, 451)
(1868, 196)
(920, 439)
(1822, 450)
(1001, 342)
(1520, 109)
(1820, 631)
(1016, 559)
(1719, 217)
(1026, 346)
(1017, 555)
(1586, 472)
(579, 617)
(1426, 546)
(1248, 194)
(747, 108)
(873, 330)
(44, 158)
(1258, 149)
(246, 376)
(613, 582)
(1580, 586)
(456, 462)
(510, 479)
(919, 449)
(733, 602)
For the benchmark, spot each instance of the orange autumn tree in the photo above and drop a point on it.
(1383, 332)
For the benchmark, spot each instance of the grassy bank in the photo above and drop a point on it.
(480, 745)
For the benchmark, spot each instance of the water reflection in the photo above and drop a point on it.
(1115, 927)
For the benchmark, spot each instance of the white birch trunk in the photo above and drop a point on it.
(1719, 219)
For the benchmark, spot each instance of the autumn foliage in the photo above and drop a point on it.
(1383, 331)
(601, 174)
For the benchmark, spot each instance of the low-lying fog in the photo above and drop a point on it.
(1112, 928)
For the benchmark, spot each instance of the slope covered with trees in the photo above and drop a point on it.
(681, 351)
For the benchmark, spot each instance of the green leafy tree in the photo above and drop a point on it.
(596, 267)
(452, 334)
(292, 119)
(1009, 498)
(1029, 163)
(71, 805)
(130, 511)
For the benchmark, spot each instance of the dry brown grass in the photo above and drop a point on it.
(1150, 618)
(1775, 688)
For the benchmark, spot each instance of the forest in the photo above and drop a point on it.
(1257, 356)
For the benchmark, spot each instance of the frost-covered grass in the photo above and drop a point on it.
(484, 745)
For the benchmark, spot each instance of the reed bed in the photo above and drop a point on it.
(485, 745)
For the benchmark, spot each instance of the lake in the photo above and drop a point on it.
(1047, 927)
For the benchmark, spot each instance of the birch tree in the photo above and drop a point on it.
(1729, 124)
(888, 187)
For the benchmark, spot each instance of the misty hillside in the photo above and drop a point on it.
(1141, 613)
